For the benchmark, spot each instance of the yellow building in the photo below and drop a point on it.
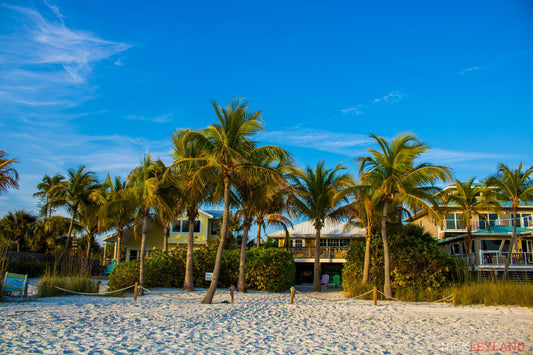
(206, 232)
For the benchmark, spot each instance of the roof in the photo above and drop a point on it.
(494, 231)
(330, 229)
(212, 213)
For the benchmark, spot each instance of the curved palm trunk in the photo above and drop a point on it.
(223, 233)
(69, 234)
(90, 237)
(510, 250)
(188, 284)
(316, 274)
(387, 289)
(146, 212)
(241, 285)
(117, 245)
(259, 234)
(366, 267)
(469, 252)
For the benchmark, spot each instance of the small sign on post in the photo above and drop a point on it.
(208, 276)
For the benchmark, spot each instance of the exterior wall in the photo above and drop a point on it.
(199, 238)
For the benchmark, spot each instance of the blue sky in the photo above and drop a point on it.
(101, 83)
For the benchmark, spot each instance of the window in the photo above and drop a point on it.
(522, 220)
(134, 254)
(335, 242)
(182, 226)
(214, 228)
(491, 220)
(453, 221)
(297, 243)
(494, 245)
(456, 249)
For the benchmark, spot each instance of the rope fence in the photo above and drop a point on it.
(171, 297)
(94, 294)
(375, 292)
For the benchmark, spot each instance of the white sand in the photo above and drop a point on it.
(263, 323)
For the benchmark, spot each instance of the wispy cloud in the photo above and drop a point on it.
(390, 98)
(491, 63)
(41, 51)
(158, 119)
(443, 156)
(339, 143)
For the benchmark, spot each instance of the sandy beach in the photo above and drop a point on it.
(258, 323)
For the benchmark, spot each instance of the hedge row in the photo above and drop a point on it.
(269, 269)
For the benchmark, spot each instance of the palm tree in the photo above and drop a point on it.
(317, 194)
(170, 203)
(193, 191)
(253, 195)
(470, 200)
(393, 172)
(89, 220)
(117, 209)
(47, 203)
(515, 186)
(144, 181)
(73, 192)
(8, 175)
(224, 148)
(18, 226)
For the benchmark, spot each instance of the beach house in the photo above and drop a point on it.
(491, 237)
(335, 240)
(206, 232)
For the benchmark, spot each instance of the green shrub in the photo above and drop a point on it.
(32, 269)
(416, 263)
(270, 269)
(46, 288)
(267, 269)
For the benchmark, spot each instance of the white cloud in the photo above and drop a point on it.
(158, 119)
(467, 70)
(443, 156)
(391, 98)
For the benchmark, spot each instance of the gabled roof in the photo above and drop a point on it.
(212, 213)
(330, 229)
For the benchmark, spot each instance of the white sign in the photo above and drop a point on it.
(208, 276)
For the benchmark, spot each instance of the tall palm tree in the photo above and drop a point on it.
(117, 209)
(89, 220)
(253, 195)
(317, 194)
(224, 147)
(470, 200)
(144, 181)
(47, 203)
(393, 172)
(8, 175)
(170, 203)
(73, 192)
(17, 227)
(194, 189)
(515, 186)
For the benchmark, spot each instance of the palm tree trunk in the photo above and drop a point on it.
(69, 234)
(117, 245)
(387, 289)
(143, 247)
(241, 285)
(316, 274)
(259, 234)
(166, 232)
(90, 237)
(510, 250)
(469, 251)
(188, 284)
(366, 267)
(18, 245)
(223, 233)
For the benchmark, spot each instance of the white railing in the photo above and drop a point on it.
(498, 258)
(524, 222)
(325, 252)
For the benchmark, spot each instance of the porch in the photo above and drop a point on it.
(308, 252)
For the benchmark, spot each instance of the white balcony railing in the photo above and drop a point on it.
(497, 258)
(453, 225)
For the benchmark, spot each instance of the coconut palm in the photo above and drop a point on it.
(47, 203)
(117, 209)
(317, 194)
(470, 200)
(8, 175)
(392, 171)
(73, 192)
(170, 204)
(144, 181)
(515, 186)
(224, 147)
(89, 220)
(17, 227)
(254, 195)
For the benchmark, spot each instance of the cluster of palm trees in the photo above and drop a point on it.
(223, 164)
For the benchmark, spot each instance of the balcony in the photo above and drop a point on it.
(496, 259)
(325, 252)
(452, 225)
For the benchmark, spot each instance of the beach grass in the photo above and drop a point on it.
(79, 283)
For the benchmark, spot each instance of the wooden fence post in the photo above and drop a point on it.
(135, 289)
(454, 299)
(292, 295)
(375, 296)
(232, 293)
